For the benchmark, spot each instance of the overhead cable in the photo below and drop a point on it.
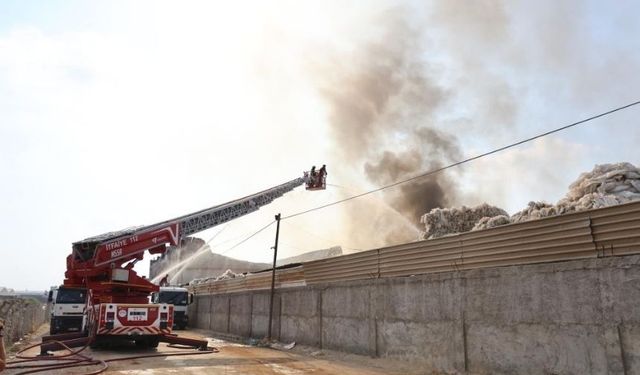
(247, 238)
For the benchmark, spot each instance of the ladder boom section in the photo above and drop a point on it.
(208, 218)
(104, 264)
(123, 246)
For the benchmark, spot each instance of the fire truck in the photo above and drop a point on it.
(180, 298)
(67, 309)
(118, 306)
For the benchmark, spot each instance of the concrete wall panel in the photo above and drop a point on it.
(621, 293)
(346, 334)
(536, 349)
(220, 314)
(347, 301)
(299, 314)
(417, 300)
(260, 315)
(305, 331)
(630, 338)
(240, 315)
(436, 345)
(203, 316)
(530, 296)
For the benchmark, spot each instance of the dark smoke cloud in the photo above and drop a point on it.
(432, 149)
(382, 110)
(479, 68)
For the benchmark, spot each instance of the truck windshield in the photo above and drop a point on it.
(174, 298)
(71, 296)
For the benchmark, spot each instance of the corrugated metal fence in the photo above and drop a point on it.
(603, 232)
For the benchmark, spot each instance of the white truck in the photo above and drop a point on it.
(67, 309)
(180, 298)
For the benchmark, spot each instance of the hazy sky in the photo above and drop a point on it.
(118, 113)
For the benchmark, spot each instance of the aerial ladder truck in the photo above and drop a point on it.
(118, 307)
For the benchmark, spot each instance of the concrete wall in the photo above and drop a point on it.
(578, 317)
(21, 316)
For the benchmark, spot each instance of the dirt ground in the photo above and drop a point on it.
(233, 358)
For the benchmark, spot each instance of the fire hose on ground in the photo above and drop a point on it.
(75, 359)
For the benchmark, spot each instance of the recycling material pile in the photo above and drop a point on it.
(227, 275)
(443, 221)
(490, 222)
(606, 185)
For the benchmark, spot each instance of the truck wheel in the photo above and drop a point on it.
(153, 342)
(52, 326)
(142, 343)
(95, 344)
(148, 342)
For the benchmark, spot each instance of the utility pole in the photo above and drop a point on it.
(273, 276)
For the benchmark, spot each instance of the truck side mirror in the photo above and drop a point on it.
(50, 298)
(190, 298)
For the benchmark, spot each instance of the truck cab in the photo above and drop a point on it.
(67, 309)
(180, 298)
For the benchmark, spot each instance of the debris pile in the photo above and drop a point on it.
(606, 185)
(443, 221)
(534, 211)
(226, 275)
(490, 222)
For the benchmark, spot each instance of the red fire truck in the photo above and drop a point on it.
(118, 305)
